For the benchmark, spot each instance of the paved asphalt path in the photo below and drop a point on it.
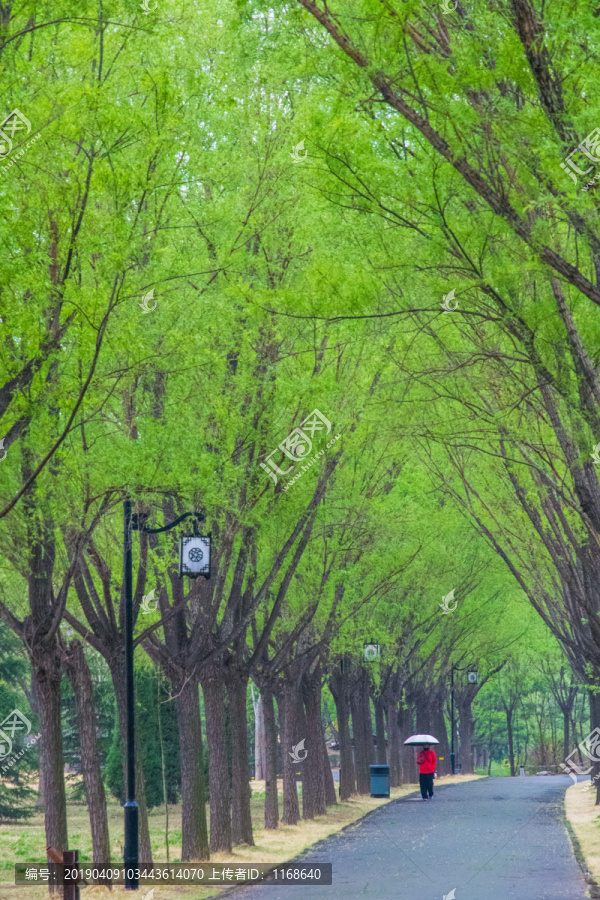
(492, 839)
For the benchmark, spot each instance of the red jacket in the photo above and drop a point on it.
(426, 761)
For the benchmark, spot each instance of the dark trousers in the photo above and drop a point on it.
(426, 782)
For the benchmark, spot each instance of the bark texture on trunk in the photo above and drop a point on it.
(380, 730)
(46, 672)
(81, 680)
(259, 738)
(218, 763)
(465, 717)
(511, 751)
(410, 772)
(338, 684)
(36, 707)
(241, 817)
(423, 710)
(313, 780)
(194, 830)
(566, 733)
(270, 759)
(330, 797)
(287, 698)
(393, 748)
(362, 730)
(441, 733)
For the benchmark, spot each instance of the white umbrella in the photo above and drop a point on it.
(415, 739)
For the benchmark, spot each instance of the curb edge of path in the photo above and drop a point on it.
(594, 887)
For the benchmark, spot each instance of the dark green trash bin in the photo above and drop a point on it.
(380, 781)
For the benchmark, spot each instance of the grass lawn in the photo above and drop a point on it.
(24, 842)
(497, 770)
(584, 817)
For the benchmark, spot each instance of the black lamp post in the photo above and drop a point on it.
(194, 560)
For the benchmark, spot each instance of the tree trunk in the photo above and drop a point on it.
(330, 797)
(79, 675)
(441, 733)
(36, 707)
(422, 709)
(46, 672)
(287, 699)
(194, 830)
(465, 716)
(367, 720)
(410, 773)
(509, 728)
(339, 689)
(241, 818)
(270, 759)
(393, 747)
(362, 730)
(259, 738)
(218, 763)
(566, 713)
(313, 781)
(380, 731)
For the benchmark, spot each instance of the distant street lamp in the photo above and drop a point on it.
(194, 560)
(372, 651)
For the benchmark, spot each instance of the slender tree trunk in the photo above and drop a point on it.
(194, 830)
(79, 675)
(46, 672)
(117, 671)
(409, 765)
(423, 710)
(270, 759)
(362, 730)
(339, 689)
(441, 733)
(393, 754)
(367, 720)
(36, 707)
(288, 716)
(259, 738)
(313, 782)
(241, 817)
(380, 730)
(218, 763)
(509, 728)
(163, 770)
(465, 716)
(330, 797)
(566, 732)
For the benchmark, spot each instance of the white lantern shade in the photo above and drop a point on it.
(473, 677)
(372, 651)
(194, 556)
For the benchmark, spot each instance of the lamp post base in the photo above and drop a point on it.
(131, 854)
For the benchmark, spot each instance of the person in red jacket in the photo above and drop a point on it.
(426, 761)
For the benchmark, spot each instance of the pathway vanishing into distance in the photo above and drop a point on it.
(493, 839)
